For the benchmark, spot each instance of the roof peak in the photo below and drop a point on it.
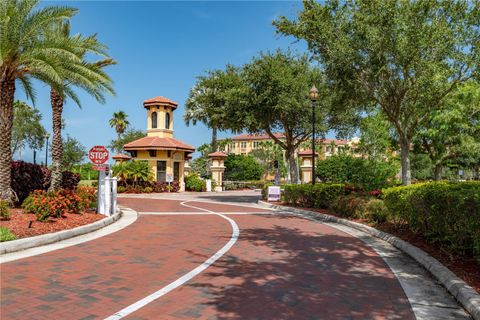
(159, 100)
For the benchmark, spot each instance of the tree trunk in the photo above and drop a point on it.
(214, 139)
(293, 167)
(405, 160)
(438, 172)
(57, 143)
(7, 91)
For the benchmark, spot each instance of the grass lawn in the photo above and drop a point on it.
(6, 235)
(87, 183)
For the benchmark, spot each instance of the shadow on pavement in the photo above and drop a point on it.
(285, 273)
(232, 198)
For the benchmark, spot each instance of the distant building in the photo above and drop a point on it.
(246, 143)
(164, 154)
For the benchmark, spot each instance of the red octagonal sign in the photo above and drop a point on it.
(98, 155)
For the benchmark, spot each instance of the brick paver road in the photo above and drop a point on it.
(280, 268)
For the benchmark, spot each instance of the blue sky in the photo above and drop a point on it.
(160, 48)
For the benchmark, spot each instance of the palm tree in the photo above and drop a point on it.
(26, 53)
(120, 122)
(86, 75)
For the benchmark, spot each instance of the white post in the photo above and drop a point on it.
(101, 192)
(114, 195)
(108, 196)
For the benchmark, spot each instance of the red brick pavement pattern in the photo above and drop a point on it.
(288, 268)
(220, 207)
(155, 205)
(100, 277)
(281, 268)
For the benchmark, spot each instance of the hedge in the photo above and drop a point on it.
(445, 213)
(320, 195)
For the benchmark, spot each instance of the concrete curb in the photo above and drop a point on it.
(464, 294)
(31, 242)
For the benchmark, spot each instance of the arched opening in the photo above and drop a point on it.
(154, 120)
(167, 120)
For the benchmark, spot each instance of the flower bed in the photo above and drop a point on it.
(19, 222)
(46, 212)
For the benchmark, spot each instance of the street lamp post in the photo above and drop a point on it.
(46, 149)
(313, 96)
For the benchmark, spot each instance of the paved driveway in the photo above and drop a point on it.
(279, 267)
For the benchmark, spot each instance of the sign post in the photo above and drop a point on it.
(273, 193)
(169, 180)
(98, 155)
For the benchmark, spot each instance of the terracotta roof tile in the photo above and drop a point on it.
(158, 143)
(259, 136)
(218, 154)
(159, 100)
(307, 153)
(121, 156)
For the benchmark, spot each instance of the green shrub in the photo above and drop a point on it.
(121, 189)
(321, 195)
(6, 235)
(362, 173)
(194, 183)
(148, 190)
(446, 213)
(242, 168)
(350, 206)
(376, 211)
(4, 214)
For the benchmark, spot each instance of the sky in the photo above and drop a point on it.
(161, 47)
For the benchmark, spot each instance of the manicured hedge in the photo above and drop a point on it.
(321, 195)
(446, 213)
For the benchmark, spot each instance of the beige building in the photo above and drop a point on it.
(165, 155)
(246, 143)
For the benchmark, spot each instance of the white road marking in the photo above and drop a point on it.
(201, 213)
(180, 281)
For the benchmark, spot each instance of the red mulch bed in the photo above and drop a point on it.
(19, 221)
(465, 267)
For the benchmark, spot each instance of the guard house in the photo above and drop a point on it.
(165, 155)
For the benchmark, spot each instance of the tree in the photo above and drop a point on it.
(128, 136)
(273, 98)
(73, 153)
(403, 57)
(26, 53)
(450, 131)
(242, 168)
(201, 164)
(27, 131)
(83, 74)
(119, 122)
(376, 137)
(270, 154)
(207, 99)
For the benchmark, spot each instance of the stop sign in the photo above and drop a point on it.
(98, 155)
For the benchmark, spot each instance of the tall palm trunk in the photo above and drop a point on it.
(214, 139)
(57, 145)
(7, 91)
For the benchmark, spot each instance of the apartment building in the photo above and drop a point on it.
(245, 143)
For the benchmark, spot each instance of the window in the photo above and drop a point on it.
(133, 153)
(152, 153)
(256, 144)
(176, 171)
(154, 120)
(161, 171)
(243, 144)
(167, 120)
